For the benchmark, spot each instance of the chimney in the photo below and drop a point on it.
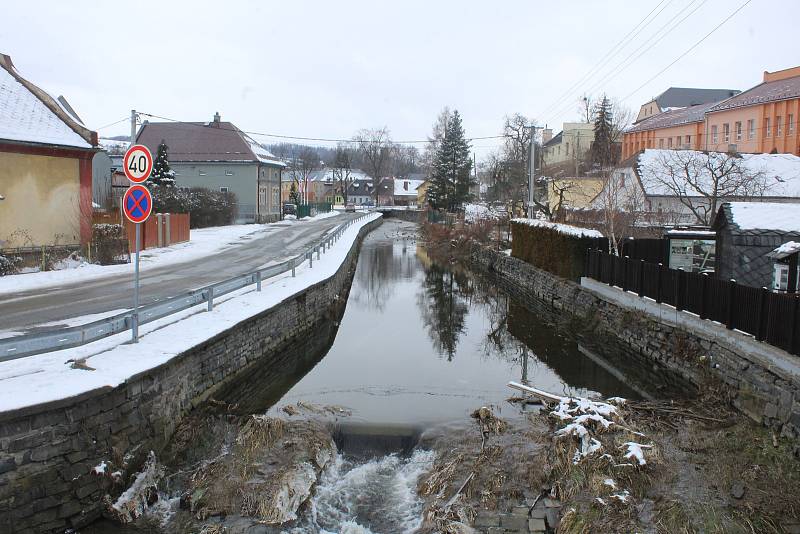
(547, 134)
(216, 119)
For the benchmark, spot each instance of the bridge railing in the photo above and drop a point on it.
(15, 347)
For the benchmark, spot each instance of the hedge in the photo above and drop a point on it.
(551, 248)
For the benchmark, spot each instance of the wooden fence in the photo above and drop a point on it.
(159, 230)
(771, 317)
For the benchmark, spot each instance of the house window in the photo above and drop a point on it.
(669, 142)
(689, 141)
(714, 136)
(202, 173)
(228, 173)
(767, 127)
(223, 189)
(660, 143)
(778, 126)
(751, 129)
(739, 131)
(791, 123)
(679, 141)
(726, 132)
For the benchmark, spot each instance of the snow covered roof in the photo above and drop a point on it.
(674, 117)
(761, 93)
(29, 114)
(780, 173)
(565, 229)
(204, 142)
(770, 216)
(403, 187)
(787, 249)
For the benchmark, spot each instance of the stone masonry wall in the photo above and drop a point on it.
(767, 390)
(48, 452)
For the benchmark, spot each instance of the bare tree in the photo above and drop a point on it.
(620, 204)
(509, 168)
(376, 149)
(302, 162)
(343, 168)
(437, 134)
(701, 181)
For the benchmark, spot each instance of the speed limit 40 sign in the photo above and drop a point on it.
(138, 163)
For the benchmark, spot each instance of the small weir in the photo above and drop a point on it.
(415, 347)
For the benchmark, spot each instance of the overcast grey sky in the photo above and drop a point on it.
(328, 68)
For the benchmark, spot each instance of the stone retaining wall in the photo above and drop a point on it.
(763, 381)
(415, 216)
(48, 452)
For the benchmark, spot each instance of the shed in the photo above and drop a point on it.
(747, 234)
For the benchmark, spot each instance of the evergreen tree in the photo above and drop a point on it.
(294, 195)
(162, 174)
(603, 145)
(451, 177)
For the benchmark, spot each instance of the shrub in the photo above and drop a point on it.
(553, 247)
(109, 243)
(9, 264)
(205, 207)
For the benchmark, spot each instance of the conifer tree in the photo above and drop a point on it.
(603, 145)
(451, 178)
(162, 174)
(294, 195)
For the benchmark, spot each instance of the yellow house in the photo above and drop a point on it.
(422, 191)
(573, 193)
(45, 166)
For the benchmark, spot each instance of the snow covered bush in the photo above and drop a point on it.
(205, 207)
(557, 248)
(9, 264)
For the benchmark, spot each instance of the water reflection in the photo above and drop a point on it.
(421, 342)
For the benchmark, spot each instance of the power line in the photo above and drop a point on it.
(625, 63)
(305, 138)
(718, 26)
(608, 56)
(115, 122)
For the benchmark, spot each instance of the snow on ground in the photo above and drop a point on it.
(204, 242)
(47, 377)
(560, 228)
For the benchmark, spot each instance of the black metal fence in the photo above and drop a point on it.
(770, 317)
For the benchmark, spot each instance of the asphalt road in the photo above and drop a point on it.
(22, 311)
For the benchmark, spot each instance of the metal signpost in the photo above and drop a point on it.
(137, 205)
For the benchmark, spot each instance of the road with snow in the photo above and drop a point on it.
(22, 311)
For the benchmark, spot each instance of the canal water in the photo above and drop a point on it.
(421, 345)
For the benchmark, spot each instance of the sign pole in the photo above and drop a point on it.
(135, 316)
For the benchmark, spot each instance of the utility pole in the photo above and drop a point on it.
(135, 314)
(532, 170)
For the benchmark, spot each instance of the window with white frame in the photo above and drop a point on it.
(767, 127)
(714, 135)
(669, 143)
(726, 132)
(689, 140)
(791, 123)
(660, 143)
(679, 141)
(778, 126)
(751, 129)
(228, 173)
(739, 131)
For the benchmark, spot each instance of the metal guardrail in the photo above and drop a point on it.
(16, 347)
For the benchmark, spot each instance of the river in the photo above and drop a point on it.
(421, 345)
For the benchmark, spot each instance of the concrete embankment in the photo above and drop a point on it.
(59, 460)
(763, 381)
